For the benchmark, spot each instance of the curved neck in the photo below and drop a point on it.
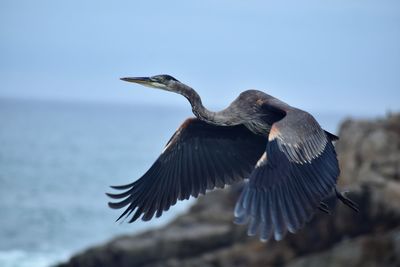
(217, 118)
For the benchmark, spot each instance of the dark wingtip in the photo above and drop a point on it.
(113, 196)
(120, 195)
(118, 205)
(136, 216)
(110, 195)
(120, 217)
(331, 136)
(122, 187)
(112, 205)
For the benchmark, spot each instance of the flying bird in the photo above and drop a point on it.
(287, 160)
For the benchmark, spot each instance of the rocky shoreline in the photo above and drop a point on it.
(369, 155)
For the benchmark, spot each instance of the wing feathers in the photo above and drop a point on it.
(294, 173)
(298, 171)
(198, 157)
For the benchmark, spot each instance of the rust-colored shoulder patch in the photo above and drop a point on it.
(177, 133)
(273, 133)
(186, 123)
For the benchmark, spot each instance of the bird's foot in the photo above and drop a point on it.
(324, 207)
(348, 202)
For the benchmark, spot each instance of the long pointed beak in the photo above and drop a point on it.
(139, 80)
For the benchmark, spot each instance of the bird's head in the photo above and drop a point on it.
(164, 82)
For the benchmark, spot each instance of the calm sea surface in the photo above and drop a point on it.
(56, 162)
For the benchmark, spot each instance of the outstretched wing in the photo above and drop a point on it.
(199, 156)
(296, 172)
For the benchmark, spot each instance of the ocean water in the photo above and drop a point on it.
(58, 159)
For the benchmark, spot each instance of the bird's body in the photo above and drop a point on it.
(288, 158)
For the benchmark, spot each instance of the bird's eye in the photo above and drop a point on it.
(170, 78)
(156, 79)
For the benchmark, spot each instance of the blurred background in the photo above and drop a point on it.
(69, 127)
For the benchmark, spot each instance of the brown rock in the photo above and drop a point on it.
(365, 251)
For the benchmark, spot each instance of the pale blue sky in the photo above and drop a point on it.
(341, 55)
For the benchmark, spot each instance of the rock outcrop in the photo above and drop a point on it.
(369, 155)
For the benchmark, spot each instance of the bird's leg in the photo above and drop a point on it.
(348, 202)
(325, 208)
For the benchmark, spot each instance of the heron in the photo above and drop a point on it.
(286, 160)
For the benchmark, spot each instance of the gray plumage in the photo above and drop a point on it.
(289, 160)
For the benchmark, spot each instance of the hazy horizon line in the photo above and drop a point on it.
(176, 106)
